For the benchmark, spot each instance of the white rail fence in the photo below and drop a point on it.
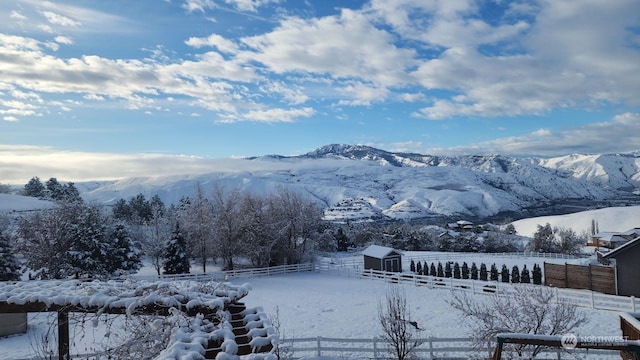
(583, 298)
(429, 348)
(232, 274)
(357, 262)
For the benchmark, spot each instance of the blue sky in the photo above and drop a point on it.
(206, 79)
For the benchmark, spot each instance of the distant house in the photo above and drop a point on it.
(625, 260)
(612, 240)
(382, 258)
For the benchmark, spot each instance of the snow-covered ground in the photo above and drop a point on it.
(322, 304)
(616, 219)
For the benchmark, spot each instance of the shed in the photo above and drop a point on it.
(382, 258)
(627, 267)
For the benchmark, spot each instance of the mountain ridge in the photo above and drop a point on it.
(358, 182)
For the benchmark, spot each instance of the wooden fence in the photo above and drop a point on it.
(429, 348)
(597, 278)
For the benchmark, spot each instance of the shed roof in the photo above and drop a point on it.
(379, 252)
(622, 248)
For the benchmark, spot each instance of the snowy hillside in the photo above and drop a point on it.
(362, 182)
(355, 182)
(9, 202)
(615, 219)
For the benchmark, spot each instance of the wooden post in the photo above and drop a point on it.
(63, 335)
(318, 343)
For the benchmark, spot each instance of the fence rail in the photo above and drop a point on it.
(232, 274)
(429, 348)
(583, 298)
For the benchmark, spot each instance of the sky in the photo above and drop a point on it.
(187, 80)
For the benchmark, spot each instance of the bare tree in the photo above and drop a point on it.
(399, 331)
(229, 224)
(529, 310)
(196, 221)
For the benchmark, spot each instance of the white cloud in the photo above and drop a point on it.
(17, 16)
(61, 20)
(278, 115)
(620, 134)
(64, 40)
(214, 40)
(10, 118)
(347, 45)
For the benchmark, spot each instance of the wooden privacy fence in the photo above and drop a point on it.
(592, 277)
(429, 348)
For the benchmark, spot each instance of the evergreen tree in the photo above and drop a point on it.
(515, 274)
(504, 274)
(176, 258)
(447, 269)
(425, 269)
(474, 271)
(9, 267)
(89, 246)
(70, 193)
(419, 268)
(456, 270)
(494, 272)
(54, 189)
(432, 270)
(342, 240)
(34, 188)
(465, 270)
(525, 277)
(440, 272)
(412, 266)
(125, 256)
(483, 272)
(537, 274)
(121, 210)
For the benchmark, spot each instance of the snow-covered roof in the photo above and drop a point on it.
(129, 295)
(191, 336)
(622, 248)
(379, 252)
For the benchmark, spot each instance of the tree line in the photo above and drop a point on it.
(455, 270)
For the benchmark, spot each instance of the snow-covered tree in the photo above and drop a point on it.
(176, 257)
(504, 274)
(34, 188)
(412, 266)
(419, 268)
(9, 267)
(515, 274)
(447, 270)
(124, 255)
(89, 245)
(483, 272)
(197, 224)
(229, 224)
(494, 272)
(456, 271)
(474, 271)
(399, 331)
(529, 310)
(440, 271)
(536, 274)
(464, 270)
(525, 277)
(543, 240)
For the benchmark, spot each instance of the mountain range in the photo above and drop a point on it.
(358, 182)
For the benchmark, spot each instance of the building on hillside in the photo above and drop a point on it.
(627, 267)
(612, 240)
(382, 258)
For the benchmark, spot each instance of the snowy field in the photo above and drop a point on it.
(320, 304)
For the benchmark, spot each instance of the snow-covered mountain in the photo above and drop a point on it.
(360, 182)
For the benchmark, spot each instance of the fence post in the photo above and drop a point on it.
(593, 305)
(375, 348)
(431, 347)
(318, 343)
(633, 303)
